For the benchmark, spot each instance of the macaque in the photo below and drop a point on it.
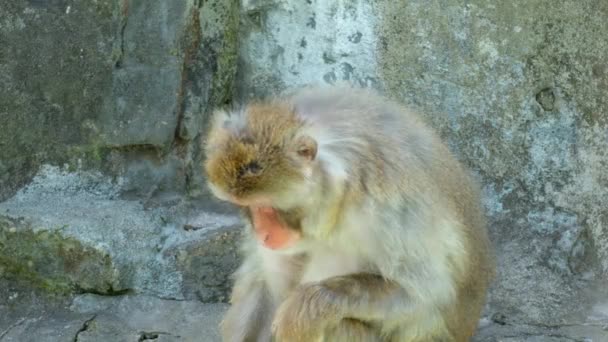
(360, 224)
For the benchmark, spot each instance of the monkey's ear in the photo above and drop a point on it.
(306, 147)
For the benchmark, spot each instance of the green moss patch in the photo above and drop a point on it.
(53, 262)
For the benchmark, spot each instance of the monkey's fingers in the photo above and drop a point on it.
(303, 316)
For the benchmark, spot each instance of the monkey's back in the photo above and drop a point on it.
(387, 153)
(383, 145)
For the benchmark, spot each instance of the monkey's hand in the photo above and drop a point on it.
(304, 315)
(313, 308)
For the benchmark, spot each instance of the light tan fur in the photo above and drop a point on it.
(394, 243)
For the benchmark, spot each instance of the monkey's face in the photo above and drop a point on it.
(259, 159)
(260, 177)
(247, 173)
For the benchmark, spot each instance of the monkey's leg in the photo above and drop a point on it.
(351, 330)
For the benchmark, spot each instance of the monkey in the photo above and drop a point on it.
(360, 224)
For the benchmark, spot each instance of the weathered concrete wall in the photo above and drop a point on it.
(519, 90)
(122, 85)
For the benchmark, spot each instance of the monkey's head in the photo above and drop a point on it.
(261, 159)
(260, 156)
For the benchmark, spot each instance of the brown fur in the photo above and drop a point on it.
(395, 246)
(265, 143)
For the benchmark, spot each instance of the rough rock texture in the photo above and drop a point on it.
(286, 44)
(72, 232)
(27, 315)
(116, 94)
(140, 318)
(33, 317)
(120, 85)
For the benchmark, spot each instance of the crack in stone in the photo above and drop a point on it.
(192, 40)
(545, 330)
(501, 319)
(11, 327)
(146, 336)
(546, 335)
(84, 327)
(557, 326)
(124, 13)
(153, 335)
(108, 292)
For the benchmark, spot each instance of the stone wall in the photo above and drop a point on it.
(518, 89)
(119, 85)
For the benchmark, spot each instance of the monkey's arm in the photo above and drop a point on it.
(361, 296)
(365, 296)
(251, 305)
(261, 282)
(250, 313)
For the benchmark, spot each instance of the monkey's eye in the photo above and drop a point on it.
(251, 169)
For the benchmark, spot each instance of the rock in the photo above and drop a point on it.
(59, 327)
(112, 86)
(286, 44)
(27, 315)
(53, 261)
(528, 333)
(33, 316)
(132, 317)
(119, 91)
(54, 85)
(206, 268)
(72, 232)
(142, 101)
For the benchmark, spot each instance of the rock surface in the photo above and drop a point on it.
(32, 317)
(72, 232)
(121, 86)
(102, 106)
